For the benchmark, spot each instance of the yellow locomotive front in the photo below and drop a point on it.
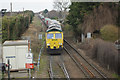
(54, 42)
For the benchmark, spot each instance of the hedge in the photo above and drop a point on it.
(14, 26)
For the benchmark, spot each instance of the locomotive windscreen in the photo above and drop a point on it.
(58, 36)
(50, 36)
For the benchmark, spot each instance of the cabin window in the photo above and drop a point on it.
(50, 36)
(58, 36)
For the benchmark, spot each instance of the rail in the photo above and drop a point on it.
(51, 70)
(77, 63)
(85, 60)
(61, 65)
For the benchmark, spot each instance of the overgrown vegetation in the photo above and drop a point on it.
(106, 54)
(88, 17)
(14, 26)
(103, 52)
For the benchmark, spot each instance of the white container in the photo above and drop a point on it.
(16, 52)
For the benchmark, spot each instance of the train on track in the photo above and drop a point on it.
(54, 35)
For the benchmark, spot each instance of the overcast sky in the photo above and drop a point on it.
(35, 5)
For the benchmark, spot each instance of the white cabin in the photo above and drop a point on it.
(16, 52)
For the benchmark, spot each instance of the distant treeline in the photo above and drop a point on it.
(14, 26)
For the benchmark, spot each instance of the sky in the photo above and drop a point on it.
(34, 5)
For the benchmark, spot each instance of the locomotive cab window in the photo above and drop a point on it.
(58, 36)
(50, 36)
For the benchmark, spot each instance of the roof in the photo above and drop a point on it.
(53, 28)
(54, 25)
(16, 42)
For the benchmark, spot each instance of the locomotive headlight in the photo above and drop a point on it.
(60, 43)
(48, 44)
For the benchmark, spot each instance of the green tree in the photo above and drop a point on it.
(45, 11)
(77, 12)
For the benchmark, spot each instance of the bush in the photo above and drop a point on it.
(109, 33)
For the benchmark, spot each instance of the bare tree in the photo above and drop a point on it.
(61, 6)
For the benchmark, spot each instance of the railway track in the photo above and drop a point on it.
(60, 64)
(88, 69)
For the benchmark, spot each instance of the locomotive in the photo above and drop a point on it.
(53, 36)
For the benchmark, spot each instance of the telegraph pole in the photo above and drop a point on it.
(23, 11)
(11, 8)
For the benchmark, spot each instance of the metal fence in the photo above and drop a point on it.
(38, 64)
